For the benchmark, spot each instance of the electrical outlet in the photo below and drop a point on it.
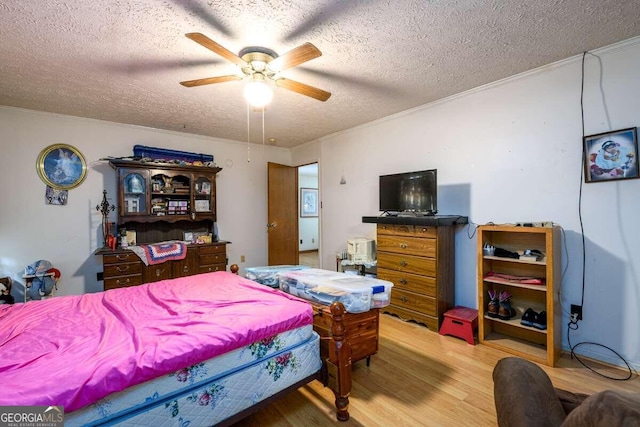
(241, 258)
(100, 276)
(576, 311)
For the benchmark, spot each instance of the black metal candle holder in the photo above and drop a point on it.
(104, 208)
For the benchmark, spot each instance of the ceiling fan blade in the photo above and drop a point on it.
(210, 80)
(215, 47)
(296, 56)
(323, 14)
(303, 89)
(205, 13)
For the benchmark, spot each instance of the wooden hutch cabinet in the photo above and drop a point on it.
(160, 202)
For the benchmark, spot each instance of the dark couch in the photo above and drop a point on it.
(525, 397)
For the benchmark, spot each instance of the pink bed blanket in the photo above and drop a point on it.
(75, 350)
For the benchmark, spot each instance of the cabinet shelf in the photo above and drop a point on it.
(515, 322)
(542, 288)
(521, 261)
(518, 347)
(540, 345)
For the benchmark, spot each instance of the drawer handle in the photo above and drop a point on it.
(404, 299)
(403, 281)
(403, 245)
(185, 269)
(403, 263)
(159, 272)
(122, 257)
(425, 229)
(124, 282)
(122, 269)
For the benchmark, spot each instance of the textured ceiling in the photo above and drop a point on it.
(121, 60)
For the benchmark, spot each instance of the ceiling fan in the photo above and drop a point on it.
(259, 63)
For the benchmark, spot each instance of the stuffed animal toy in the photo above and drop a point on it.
(5, 293)
(45, 280)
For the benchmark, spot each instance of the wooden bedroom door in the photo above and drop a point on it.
(282, 214)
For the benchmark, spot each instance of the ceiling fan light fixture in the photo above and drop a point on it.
(258, 94)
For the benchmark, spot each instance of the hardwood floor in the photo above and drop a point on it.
(420, 378)
(310, 259)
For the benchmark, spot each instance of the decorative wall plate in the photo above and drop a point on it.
(61, 166)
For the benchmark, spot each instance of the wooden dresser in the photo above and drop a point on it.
(362, 331)
(124, 268)
(417, 255)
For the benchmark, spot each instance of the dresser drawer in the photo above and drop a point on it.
(120, 257)
(407, 263)
(212, 268)
(413, 301)
(155, 273)
(122, 269)
(208, 259)
(122, 282)
(424, 285)
(407, 230)
(407, 245)
(212, 249)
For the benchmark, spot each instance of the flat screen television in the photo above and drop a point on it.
(410, 192)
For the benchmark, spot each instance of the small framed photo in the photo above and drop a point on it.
(202, 206)
(611, 156)
(188, 236)
(308, 202)
(205, 188)
(131, 237)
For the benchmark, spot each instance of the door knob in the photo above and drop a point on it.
(271, 225)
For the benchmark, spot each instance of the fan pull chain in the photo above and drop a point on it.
(263, 132)
(248, 137)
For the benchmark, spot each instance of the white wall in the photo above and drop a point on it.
(509, 152)
(307, 226)
(68, 235)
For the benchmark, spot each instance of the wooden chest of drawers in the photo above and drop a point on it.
(124, 268)
(121, 270)
(419, 261)
(362, 330)
(212, 258)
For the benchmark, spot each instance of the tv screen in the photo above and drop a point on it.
(410, 192)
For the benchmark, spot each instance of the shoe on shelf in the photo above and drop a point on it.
(494, 306)
(528, 317)
(540, 320)
(505, 312)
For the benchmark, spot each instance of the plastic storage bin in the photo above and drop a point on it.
(357, 293)
(269, 275)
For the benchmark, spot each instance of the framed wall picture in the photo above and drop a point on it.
(308, 202)
(61, 167)
(611, 156)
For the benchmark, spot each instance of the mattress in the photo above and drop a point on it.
(83, 348)
(209, 392)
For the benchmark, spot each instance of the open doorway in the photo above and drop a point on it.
(309, 216)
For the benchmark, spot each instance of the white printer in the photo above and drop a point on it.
(361, 250)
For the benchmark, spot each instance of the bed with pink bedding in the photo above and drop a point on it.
(198, 350)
